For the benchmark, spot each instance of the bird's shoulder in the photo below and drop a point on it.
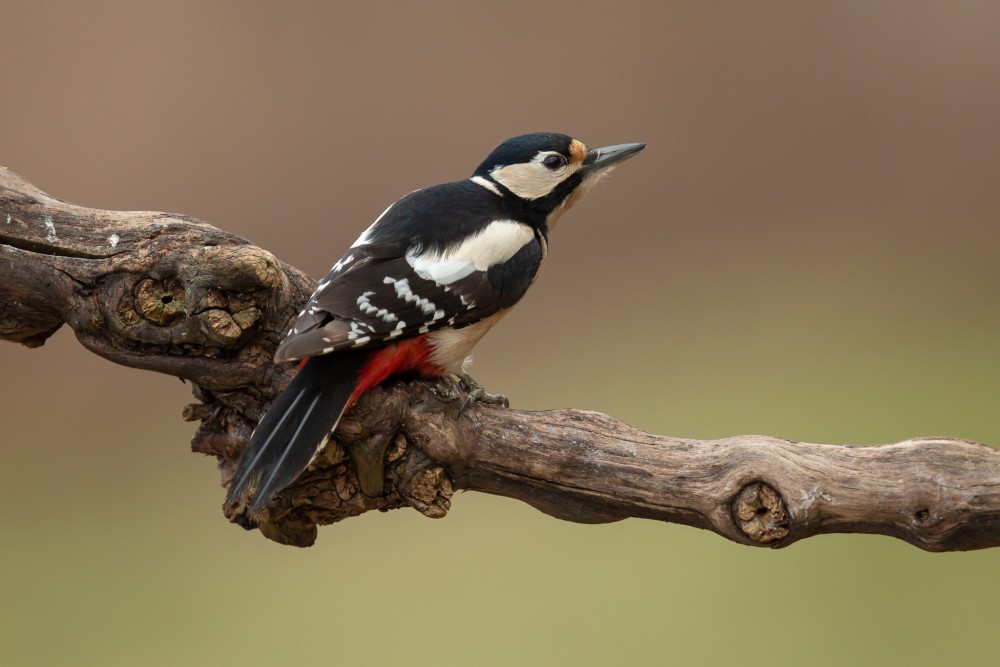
(437, 216)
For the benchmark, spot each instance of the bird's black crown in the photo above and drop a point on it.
(523, 148)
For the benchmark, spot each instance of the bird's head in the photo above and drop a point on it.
(549, 171)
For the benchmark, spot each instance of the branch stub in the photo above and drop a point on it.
(760, 513)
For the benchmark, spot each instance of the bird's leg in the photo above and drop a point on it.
(478, 393)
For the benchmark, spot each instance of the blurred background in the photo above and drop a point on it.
(808, 248)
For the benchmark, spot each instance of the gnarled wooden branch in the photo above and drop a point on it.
(172, 294)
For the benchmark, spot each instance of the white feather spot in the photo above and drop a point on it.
(356, 330)
(8, 218)
(113, 240)
(365, 305)
(362, 341)
(400, 325)
(342, 262)
(404, 292)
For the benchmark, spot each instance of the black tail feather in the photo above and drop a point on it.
(290, 434)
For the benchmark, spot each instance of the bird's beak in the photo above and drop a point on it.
(599, 159)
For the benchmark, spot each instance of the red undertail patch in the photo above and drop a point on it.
(412, 354)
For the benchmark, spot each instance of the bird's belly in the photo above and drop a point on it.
(450, 348)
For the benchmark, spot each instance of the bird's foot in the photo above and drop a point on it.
(478, 393)
(444, 389)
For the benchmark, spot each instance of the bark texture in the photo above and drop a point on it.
(168, 293)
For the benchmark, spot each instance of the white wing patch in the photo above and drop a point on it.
(440, 270)
(495, 243)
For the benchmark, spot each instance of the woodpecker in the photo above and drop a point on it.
(417, 290)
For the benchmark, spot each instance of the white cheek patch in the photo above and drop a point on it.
(494, 244)
(532, 180)
(528, 180)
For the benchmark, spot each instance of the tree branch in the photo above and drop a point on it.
(169, 293)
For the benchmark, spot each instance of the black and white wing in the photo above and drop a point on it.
(393, 288)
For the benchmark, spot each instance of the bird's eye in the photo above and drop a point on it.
(554, 162)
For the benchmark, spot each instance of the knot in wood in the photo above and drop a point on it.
(159, 302)
(224, 317)
(429, 492)
(760, 513)
(221, 327)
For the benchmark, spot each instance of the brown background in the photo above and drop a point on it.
(808, 248)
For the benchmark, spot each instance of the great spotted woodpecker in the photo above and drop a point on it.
(416, 292)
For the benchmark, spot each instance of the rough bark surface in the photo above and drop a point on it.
(168, 293)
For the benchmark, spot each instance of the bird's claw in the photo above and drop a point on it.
(478, 393)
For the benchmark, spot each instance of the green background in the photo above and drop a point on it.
(808, 248)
